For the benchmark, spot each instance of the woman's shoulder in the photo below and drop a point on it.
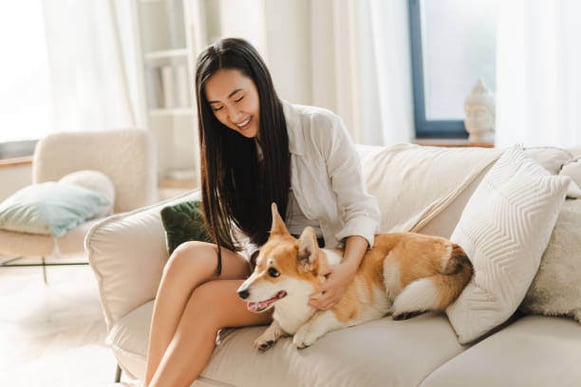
(314, 115)
(309, 110)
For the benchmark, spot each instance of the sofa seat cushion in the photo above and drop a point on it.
(379, 353)
(533, 351)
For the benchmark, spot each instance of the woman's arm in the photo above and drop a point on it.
(358, 209)
(340, 276)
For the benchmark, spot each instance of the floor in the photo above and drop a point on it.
(53, 335)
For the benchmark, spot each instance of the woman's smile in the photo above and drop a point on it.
(234, 100)
(244, 124)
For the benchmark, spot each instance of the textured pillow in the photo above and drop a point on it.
(556, 289)
(183, 222)
(50, 208)
(504, 229)
(95, 181)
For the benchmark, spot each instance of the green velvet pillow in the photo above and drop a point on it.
(50, 208)
(183, 222)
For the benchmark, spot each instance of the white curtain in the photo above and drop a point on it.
(386, 87)
(350, 56)
(538, 73)
(89, 73)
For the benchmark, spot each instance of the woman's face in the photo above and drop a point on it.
(233, 98)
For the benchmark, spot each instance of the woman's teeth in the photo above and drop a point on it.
(244, 123)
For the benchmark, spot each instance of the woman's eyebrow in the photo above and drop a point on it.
(229, 96)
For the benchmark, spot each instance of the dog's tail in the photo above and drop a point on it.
(438, 291)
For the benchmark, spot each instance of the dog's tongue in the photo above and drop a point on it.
(256, 306)
(259, 306)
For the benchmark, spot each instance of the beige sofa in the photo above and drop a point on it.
(127, 253)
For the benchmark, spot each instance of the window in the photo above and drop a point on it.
(453, 44)
(24, 78)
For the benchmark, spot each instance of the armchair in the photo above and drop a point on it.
(126, 156)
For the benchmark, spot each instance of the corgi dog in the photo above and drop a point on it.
(403, 274)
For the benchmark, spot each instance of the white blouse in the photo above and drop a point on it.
(326, 177)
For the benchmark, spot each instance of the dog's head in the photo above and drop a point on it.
(286, 268)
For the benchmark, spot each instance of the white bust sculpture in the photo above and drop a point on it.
(480, 114)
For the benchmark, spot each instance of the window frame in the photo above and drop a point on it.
(15, 149)
(425, 128)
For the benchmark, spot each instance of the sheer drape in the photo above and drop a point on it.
(350, 56)
(89, 77)
(539, 82)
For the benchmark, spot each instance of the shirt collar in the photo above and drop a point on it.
(295, 140)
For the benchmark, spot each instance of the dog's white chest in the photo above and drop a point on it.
(292, 318)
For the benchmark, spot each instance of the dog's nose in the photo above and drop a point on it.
(244, 293)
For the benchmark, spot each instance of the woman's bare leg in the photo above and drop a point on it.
(213, 306)
(191, 264)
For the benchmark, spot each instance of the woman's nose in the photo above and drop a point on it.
(234, 114)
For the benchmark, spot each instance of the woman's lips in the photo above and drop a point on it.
(244, 124)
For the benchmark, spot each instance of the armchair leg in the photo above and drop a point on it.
(44, 271)
(118, 373)
(44, 264)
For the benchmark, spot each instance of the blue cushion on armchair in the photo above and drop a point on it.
(50, 208)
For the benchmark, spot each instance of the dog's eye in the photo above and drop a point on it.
(273, 272)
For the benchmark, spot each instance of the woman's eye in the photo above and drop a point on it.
(273, 272)
(217, 109)
(239, 99)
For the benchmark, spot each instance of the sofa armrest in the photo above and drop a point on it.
(127, 253)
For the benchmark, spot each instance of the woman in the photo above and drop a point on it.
(255, 149)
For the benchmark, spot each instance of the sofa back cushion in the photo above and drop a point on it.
(413, 184)
(425, 189)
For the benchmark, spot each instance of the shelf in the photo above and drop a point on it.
(164, 59)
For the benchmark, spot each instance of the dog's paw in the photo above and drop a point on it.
(303, 339)
(301, 343)
(264, 346)
(264, 342)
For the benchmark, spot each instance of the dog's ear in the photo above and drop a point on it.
(308, 250)
(278, 226)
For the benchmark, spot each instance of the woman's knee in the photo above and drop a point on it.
(192, 258)
(216, 305)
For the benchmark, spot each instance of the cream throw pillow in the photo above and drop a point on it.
(504, 229)
(556, 289)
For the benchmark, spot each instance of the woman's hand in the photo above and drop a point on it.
(337, 279)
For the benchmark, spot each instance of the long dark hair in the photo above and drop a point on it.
(236, 187)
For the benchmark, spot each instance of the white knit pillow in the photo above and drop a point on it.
(504, 229)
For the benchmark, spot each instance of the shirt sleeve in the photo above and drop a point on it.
(358, 209)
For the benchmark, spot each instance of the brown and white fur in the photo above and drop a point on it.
(404, 274)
